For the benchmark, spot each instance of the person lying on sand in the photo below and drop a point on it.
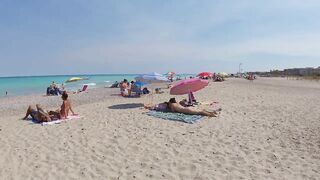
(176, 107)
(159, 91)
(158, 107)
(63, 112)
(37, 114)
(173, 106)
(40, 115)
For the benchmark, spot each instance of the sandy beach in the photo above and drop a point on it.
(268, 129)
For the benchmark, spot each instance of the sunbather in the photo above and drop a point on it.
(65, 107)
(173, 106)
(40, 115)
(37, 114)
(176, 107)
(158, 91)
(159, 107)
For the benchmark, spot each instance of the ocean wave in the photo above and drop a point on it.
(90, 84)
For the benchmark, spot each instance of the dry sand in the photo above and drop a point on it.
(268, 129)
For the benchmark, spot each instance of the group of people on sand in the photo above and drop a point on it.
(128, 88)
(54, 90)
(173, 106)
(39, 115)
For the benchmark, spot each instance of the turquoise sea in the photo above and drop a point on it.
(26, 85)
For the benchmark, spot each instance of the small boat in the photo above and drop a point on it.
(74, 79)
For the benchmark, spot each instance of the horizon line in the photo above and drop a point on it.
(87, 74)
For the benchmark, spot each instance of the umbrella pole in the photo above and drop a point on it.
(189, 97)
(152, 96)
(150, 99)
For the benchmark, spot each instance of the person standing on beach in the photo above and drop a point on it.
(6, 93)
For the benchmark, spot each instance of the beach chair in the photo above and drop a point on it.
(136, 90)
(84, 89)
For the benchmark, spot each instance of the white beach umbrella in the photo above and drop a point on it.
(151, 78)
(223, 74)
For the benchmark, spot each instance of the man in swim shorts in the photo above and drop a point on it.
(38, 114)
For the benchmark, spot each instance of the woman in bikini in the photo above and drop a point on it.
(40, 115)
(66, 106)
(176, 107)
(173, 106)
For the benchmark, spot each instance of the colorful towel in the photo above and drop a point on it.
(175, 116)
(56, 121)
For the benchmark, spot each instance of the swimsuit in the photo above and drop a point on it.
(34, 115)
(161, 107)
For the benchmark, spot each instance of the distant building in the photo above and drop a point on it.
(316, 71)
(300, 71)
(308, 71)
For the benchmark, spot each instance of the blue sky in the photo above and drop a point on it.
(123, 36)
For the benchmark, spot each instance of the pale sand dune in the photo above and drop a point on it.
(268, 129)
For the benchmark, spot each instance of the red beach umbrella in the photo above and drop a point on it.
(205, 74)
(188, 86)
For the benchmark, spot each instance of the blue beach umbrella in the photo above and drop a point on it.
(140, 84)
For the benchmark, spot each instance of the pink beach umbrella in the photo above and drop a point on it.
(188, 86)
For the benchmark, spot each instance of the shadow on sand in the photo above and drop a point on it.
(116, 95)
(126, 106)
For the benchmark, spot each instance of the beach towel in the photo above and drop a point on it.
(56, 121)
(175, 116)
